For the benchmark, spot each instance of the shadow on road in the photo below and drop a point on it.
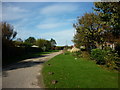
(23, 65)
(11, 60)
(26, 63)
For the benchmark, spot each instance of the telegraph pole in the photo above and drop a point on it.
(66, 43)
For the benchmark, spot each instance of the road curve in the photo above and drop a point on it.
(24, 74)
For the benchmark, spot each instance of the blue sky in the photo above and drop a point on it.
(45, 19)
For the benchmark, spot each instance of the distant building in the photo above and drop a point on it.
(107, 44)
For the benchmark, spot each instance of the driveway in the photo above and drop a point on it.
(25, 74)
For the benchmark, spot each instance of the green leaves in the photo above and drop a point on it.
(109, 13)
(30, 40)
(43, 44)
(88, 30)
(102, 26)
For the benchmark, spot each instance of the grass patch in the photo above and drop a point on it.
(77, 73)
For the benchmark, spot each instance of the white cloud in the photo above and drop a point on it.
(13, 13)
(58, 9)
(50, 19)
(50, 25)
(71, 20)
(60, 36)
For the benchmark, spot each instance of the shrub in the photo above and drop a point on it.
(107, 57)
(110, 58)
(77, 54)
(117, 48)
(98, 55)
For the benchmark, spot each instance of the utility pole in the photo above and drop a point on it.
(66, 43)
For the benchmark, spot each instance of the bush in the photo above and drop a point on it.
(107, 57)
(98, 55)
(110, 58)
(117, 48)
(77, 54)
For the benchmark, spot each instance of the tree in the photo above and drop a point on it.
(53, 43)
(88, 31)
(43, 44)
(30, 40)
(109, 13)
(19, 40)
(8, 34)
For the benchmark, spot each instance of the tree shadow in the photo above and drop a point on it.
(24, 64)
(19, 65)
(12, 60)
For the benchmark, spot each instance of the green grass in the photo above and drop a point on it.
(80, 73)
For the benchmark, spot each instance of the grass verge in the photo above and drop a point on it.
(65, 71)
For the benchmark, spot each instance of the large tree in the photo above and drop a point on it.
(89, 30)
(109, 13)
(8, 34)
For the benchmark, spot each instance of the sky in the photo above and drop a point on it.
(45, 19)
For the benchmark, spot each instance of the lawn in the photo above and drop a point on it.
(69, 72)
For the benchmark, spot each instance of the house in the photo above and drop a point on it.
(106, 44)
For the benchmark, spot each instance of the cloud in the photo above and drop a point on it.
(50, 25)
(71, 20)
(61, 36)
(58, 9)
(13, 13)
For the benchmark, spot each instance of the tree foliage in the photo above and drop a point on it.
(30, 40)
(109, 13)
(88, 30)
(8, 34)
(43, 44)
(101, 27)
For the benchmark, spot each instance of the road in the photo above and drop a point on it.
(25, 74)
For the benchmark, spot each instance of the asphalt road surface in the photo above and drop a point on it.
(25, 74)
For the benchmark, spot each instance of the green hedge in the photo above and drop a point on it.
(98, 55)
(106, 57)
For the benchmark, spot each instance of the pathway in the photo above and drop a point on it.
(24, 74)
